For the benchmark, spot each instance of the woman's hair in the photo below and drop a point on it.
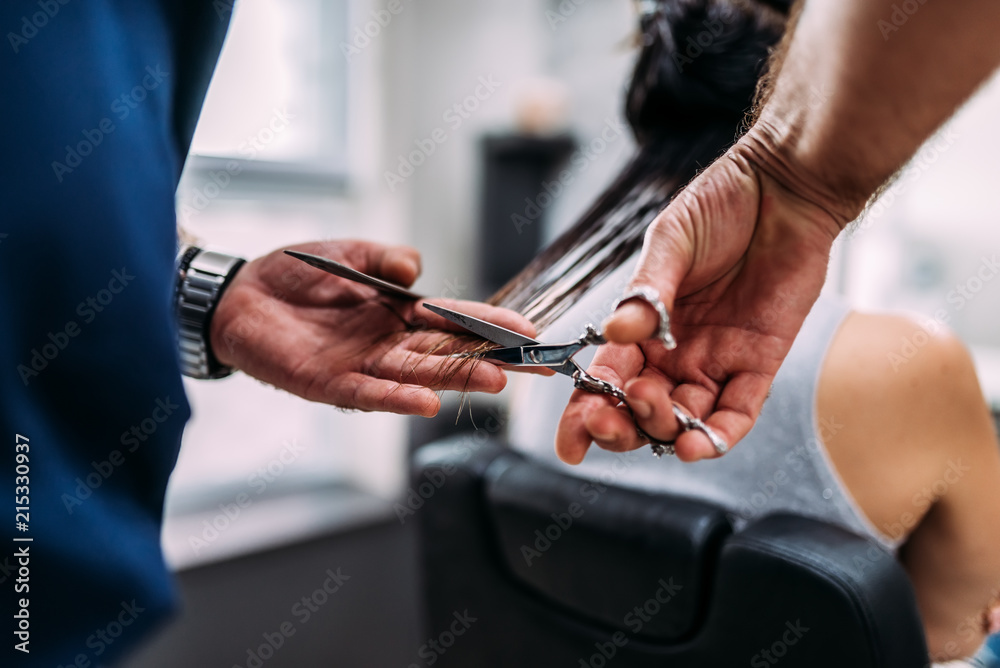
(692, 87)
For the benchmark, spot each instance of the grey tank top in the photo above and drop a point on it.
(781, 466)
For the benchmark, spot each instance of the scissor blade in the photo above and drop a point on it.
(541, 355)
(496, 334)
(481, 328)
(513, 355)
(342, 270)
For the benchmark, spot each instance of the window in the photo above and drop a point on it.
(267, 166)
(278, 100)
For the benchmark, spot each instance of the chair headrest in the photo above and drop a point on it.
(570, 539)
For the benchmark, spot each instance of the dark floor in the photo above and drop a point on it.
(231, 608)
(372, 622)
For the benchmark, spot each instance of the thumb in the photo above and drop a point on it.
(666, 257)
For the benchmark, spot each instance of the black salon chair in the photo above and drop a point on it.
(526, 566)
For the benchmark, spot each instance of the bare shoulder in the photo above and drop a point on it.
(906, 398)
(907, 365)
(920, 455)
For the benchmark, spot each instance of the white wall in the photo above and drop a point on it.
(422, 61)
(930, 238)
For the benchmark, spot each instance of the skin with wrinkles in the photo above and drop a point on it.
(846, 106)
(328, 339)
(733, 317)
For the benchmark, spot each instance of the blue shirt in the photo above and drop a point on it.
(99, 103)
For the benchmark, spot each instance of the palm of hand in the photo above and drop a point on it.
(331, 340)
(748, 259)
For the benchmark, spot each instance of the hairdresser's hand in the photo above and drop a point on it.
(328, 339)
(738, 259)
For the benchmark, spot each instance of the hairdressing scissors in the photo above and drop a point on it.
(342, 270)
(520, 350)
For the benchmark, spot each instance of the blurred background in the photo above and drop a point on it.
(325, 120)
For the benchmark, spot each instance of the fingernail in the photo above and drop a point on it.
(641, 409)
(607, 437)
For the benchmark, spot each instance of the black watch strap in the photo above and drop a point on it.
(202, 277)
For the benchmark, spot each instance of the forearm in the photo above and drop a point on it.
(860, 84)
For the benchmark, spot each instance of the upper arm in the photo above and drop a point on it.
(953, 556)
(918, 452)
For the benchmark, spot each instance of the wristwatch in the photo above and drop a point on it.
(202, 276)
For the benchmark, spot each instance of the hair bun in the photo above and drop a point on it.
(700, 62)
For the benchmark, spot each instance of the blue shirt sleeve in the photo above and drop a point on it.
(99, 105)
